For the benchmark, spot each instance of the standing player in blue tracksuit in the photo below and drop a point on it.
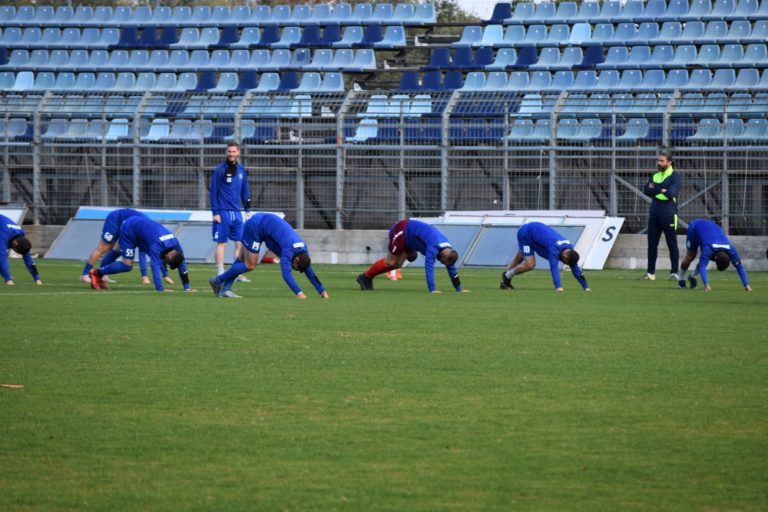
(110, 234)
(406, 238)
(535, 237)
(229, 194)
(153, 239)
(280, 238)
(663, 188)
(12, 236)
(716, 247)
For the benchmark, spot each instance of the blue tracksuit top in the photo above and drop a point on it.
(282, 240)
(153, 239)
(708, 236)
(426, 239)
(8, 231)
(547, 243)
(110, 232)
(229, 193)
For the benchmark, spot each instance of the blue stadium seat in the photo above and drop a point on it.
(754, 130)
(201, 16)
(70, 37)
(608, 79)
(548, 58)
(310, 37)
(585, 79)
(639, 57)
(25, 15)
(362, 14)
(562, 80)
(635, 129)
(616, 56)
(129, 37)
(474, 81)
(332, 82)
(523, 13)
(759, 32)
(125, 81)
(647, 33)
(394, 37)
(321, 59)
(149, 37)
(209, 36)
(715, 30)
(227, 37)
(63, 15)
(653, 79)
(161, 15)
(661, 55)
(7, 14)
(676, 9)
(78, 59)
(685, 55)
(738, 32)
(670, 32)
(432, 81)
(545, 12)
(58, 59)
(342, 59)
(708, 129)
(462, 59)
(452, 80)
(141, 15)
(20, 58)
(423, 14)
(535, 34)
(367, 129)
(138, 60)
(492, 35)
(470, 36)
(342, 13)
(626, 33)
(31, 36)
(587, 11)
(693, 31)
(517, 81)
(483, 57)
(513, 35)
(610, 10)
(505, 59)
(51, 36)
(102, 15)
(24, 81)
(501, 11)
(654, 11)
(747, 78)
(700, 78)
(566, 11)
(289, 37)
(723, 79)
(755, 55)
(250, 36)
(731, 56)
(146, 81)
(580, 33)
(631, 11)
(300, 58)
(188, 39)
(352, 37)
(331, 35)
(722, 9)
(698, 10)
(55, 128)
(372, 35)
(762, 12)
(540, 80)
(496, 81)
(37, 59)
(602, 34)
(558, 35)
(260, 15)
(222, 16)
(676, 79)
(278, 59)
(110, 36)
(219, 60)
(288, 81)
(105, 81)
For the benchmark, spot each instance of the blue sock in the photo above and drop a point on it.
(232, 272)
(117, 267)
(110, 258)
(87, 269)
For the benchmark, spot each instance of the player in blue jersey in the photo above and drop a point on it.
(229, 194)
(715, 246)
(152, 239)
(535, 237)
(12, 236)
(407, 238)
(267, 229)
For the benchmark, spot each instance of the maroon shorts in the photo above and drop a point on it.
(397, 238)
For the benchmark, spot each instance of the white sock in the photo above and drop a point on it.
(220, 268)
(509, 273)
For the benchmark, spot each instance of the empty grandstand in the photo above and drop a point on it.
(354, 115)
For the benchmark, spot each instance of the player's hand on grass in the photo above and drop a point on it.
(144, 280)
(324, 295)
(167, 279)
(301, 295)
(39, 282)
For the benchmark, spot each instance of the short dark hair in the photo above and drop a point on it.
(302, 261)
(722, 260)
(666, 153)
(233, 143)
(571, 257)
(173, 258)
(448, 256)
(21, 245)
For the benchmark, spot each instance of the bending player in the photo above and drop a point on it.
(12, 236)
(535, 237)
(153, 239)
(280, 238)
(406, 238)
(715, 246)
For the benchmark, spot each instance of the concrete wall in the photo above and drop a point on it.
(366, 246)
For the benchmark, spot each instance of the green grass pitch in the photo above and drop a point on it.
(637, 396)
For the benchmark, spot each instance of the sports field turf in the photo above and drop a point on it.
(637, 396)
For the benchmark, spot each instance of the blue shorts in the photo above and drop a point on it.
(523, 244)
(230, 227)
(110, 232)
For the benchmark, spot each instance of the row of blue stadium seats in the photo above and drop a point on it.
(630, 10)
(589, 129)
(186, 81)
(152, 37)
(608, 34)
(616, 57)
(185, 16)
(567, 130)
(197, 60)
(608, 79)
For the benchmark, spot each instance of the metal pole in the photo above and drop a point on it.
(341, 157)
